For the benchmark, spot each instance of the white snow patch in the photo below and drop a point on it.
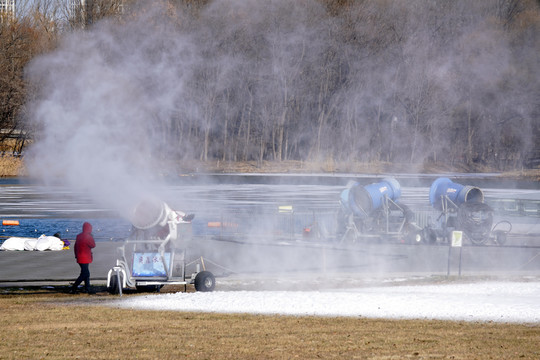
(498, 301)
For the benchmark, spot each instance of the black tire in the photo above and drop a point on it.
(415, 237)
(429, 236)
(205, 281)
(500, 237)
(411, 235)
(113, 287)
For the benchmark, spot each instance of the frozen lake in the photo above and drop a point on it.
(51, 209)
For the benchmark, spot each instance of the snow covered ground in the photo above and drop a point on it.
(511, 301)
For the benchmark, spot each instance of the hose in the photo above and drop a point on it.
(501, 222)
(500, 235)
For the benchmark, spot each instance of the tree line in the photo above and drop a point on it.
(453, 82)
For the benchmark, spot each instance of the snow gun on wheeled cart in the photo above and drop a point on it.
(155, 253)
(462, 208)
(373, 212)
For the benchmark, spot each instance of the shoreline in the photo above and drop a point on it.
(12, 167)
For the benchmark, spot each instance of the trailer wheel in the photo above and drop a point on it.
(205, 281)
(429, 236)
(412, 235)
(113, 288)
(415, 237)
(500, 237)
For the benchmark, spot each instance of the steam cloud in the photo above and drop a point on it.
(99, 108)
(113, 100)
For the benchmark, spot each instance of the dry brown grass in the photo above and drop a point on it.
(294, 167)
(14, 166)
(329, 166)
(11, 166)
(45, 324)
(529, 174)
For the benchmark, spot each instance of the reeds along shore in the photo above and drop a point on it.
(13, 166)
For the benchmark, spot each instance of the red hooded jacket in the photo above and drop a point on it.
(84, 244)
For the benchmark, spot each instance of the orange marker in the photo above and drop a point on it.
(10, 222)
(222, 224)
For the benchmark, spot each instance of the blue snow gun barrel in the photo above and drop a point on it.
(363, 200)
(457, 193)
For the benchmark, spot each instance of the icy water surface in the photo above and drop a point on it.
(42, 210)
(47, 210)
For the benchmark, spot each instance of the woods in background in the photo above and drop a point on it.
(454, 82)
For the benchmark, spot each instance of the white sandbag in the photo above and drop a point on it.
(56, 244)
(30, 244)
(14, 244)
(45, 242)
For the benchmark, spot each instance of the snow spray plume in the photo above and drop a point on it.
(99, 111)
(382, 81)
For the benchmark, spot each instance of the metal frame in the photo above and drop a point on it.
(351, 226)
(449, 209)
(124, 267)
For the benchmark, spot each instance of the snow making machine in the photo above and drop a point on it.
(155, 253)
(373, 212)
(462, 208)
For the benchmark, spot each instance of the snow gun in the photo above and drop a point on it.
(362, 201)
(462, 208)
(444, 189)
(153, 219)
(373, 211)
(154, 254)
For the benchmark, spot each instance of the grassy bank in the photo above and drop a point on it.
(47, 323)
(11, 166)
(14, 166)
(331, 167)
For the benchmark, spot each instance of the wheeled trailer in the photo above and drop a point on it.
(463, 209)
(145, 269)
(155, 253)
(372, 212)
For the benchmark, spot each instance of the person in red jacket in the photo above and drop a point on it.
(83, 253)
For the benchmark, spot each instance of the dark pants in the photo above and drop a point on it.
(84, 276)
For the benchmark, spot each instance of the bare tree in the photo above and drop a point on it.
(396, 81)
(31, 32)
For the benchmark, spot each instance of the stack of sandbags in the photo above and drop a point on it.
(42, 243)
